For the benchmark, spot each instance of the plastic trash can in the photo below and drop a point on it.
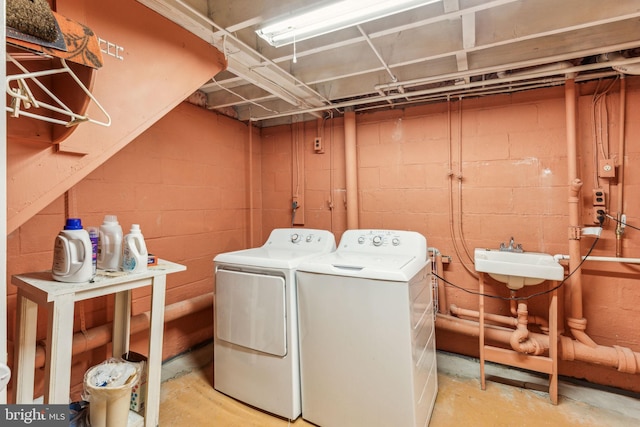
(109, 403)
(5, 376)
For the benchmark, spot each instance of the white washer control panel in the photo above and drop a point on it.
(376, 238)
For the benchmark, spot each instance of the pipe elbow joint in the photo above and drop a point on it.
(576, 185)
(522, 343)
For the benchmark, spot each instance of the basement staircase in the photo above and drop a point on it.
(149, 66)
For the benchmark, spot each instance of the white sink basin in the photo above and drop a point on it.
(518, 269)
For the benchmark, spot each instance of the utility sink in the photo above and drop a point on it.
(518, 269)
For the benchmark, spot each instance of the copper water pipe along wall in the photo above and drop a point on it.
(498, 318)
(101, 335)
(442, 289)
(621, 145)
(351, 166)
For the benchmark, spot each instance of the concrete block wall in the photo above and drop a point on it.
(466, 174)
(185, 182)
(474, 172)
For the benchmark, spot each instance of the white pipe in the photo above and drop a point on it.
(441, 90)
(373, 48)
(562, 257)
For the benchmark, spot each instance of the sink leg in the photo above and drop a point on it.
(481, 334)
(553, 346)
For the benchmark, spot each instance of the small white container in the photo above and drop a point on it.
(72, 254)
(134, 253)
(110, 244)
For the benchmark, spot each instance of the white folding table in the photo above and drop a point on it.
(39, 289)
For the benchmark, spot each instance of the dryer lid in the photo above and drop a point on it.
(285, 249)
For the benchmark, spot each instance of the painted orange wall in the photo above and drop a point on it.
(185, 181)
(512, 175)
(162, 64)
(473, 173)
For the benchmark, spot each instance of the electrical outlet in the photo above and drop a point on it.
(599, 197)
(317, 145)
(598, 214)
(606, 168)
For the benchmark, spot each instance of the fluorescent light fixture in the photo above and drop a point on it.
(333, 17)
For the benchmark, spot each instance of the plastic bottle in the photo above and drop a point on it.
(110, 244)
(93, 236)
(134, 254)
(72, 254)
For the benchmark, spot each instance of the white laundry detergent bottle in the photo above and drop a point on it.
(110, 244)
(134, 254)
(72, 254)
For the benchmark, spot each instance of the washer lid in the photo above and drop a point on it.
(395, 268)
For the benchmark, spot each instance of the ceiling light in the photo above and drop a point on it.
(333, 17)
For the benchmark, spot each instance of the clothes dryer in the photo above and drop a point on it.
(367, 338)
(256, 351)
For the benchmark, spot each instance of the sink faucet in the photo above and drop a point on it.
(513, 247)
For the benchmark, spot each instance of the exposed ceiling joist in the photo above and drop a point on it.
(461, 41)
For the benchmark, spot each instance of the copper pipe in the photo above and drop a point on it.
(351, 166)
(619, 227)
(442, 289)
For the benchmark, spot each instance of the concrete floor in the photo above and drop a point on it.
(188, 399)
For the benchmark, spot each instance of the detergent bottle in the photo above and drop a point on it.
(110, 244)
(134, 253)
(72, 254)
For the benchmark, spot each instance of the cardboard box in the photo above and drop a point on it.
(139, 389)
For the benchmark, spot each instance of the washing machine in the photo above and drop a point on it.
(256, 351)
(367, 336)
